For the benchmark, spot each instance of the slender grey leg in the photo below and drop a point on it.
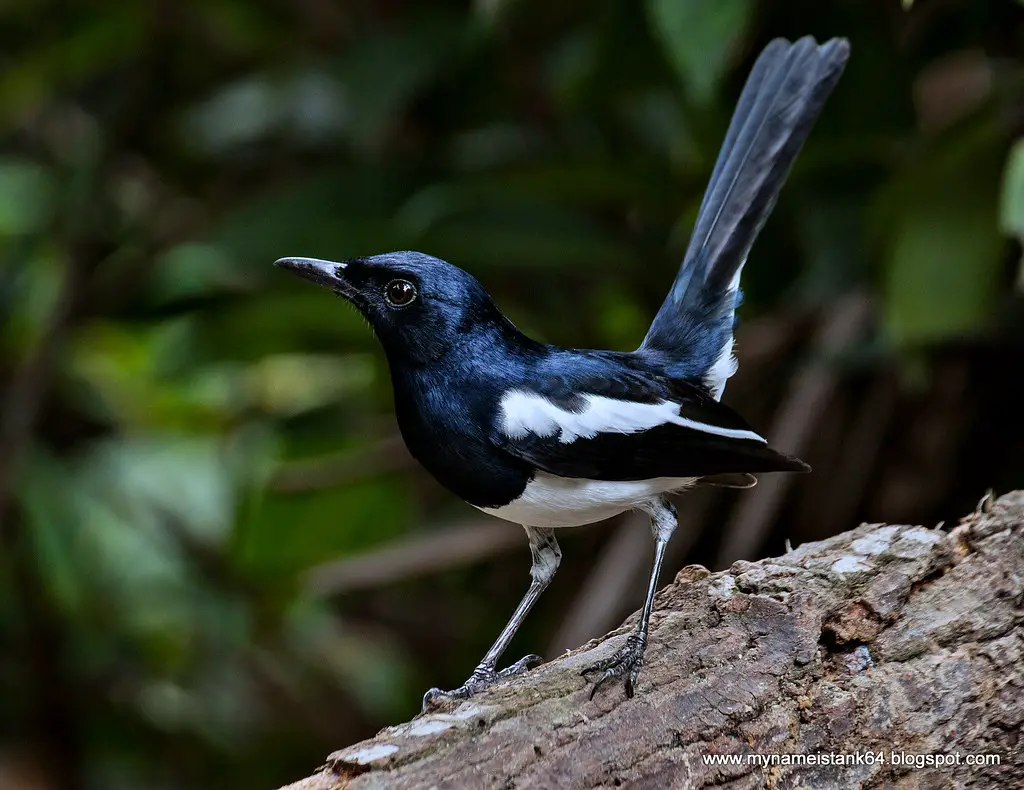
(546, 557)
(628, 659)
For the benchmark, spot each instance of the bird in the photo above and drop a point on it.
(551, 437)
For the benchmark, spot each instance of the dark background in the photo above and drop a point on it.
(217, 562)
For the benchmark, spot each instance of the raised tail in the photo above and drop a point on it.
(783, 96)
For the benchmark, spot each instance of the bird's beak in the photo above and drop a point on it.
(329, 274)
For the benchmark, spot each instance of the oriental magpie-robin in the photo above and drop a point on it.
(552, 437)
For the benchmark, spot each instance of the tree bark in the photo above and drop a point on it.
(884, 641)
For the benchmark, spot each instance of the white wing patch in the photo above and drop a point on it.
(524, 413)
(724, 366)
(725, 363)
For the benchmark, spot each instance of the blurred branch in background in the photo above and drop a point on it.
(387, 455)
(442, 549)
(218, 556)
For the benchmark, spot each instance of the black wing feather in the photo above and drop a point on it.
(667, 450)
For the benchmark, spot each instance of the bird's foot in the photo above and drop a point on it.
(483, 677)
(626, 662)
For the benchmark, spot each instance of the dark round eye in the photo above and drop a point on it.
(399, 293)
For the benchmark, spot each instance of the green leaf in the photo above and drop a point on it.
(1011, 204)
(282, 384)
(322, 525)
(36, 278)
(698, 37)
(193, 269)
(1011, 201)
(154, 477)
(52, 524)
(943, 272)
(26, 196)
(946, 251)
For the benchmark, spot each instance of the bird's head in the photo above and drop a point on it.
(419, 306)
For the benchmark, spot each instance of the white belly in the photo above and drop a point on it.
(552, 501)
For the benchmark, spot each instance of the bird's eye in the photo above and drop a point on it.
(400, 293)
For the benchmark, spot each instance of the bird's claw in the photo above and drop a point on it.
(483, 677)
(626, 661)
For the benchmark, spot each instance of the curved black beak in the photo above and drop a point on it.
(329, 274)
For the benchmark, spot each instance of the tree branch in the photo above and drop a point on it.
(884, 639)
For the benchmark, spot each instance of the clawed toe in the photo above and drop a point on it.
(434, 696)
(521, 666)
(625, 663)
(482, 678)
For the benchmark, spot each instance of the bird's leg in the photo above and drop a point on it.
(626, 662)
(546, 556)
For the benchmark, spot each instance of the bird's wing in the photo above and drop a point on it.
(629, 427)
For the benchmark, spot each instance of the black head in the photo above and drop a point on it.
(419, 306)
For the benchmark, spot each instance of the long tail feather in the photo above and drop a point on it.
(784, 94)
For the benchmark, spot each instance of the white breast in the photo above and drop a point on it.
(552, 501)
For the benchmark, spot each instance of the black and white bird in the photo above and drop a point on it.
(552, 437)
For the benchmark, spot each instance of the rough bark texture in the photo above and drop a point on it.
(886, 638)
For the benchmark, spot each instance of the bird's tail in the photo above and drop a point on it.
(783, 96)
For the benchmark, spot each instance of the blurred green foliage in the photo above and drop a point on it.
(158, 156)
